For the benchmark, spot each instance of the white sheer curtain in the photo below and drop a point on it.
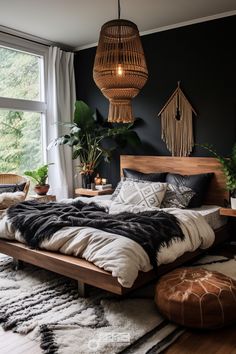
(60, 108)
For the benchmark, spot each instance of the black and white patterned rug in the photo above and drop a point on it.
(47, 308)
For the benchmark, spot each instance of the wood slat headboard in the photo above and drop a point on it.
(184, 166)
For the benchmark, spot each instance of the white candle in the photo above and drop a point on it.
(104, 181)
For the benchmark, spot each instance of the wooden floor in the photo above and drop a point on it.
(198, 342)
(208, 342)
(13, 343)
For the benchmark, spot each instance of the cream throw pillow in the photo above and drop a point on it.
(146, 194)
(8, 199)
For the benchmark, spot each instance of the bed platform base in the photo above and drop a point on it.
(87, 273)
(17, 264)
(82, 289)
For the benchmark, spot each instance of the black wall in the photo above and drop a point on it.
(202, 57)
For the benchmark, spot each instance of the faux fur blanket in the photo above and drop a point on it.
(39, 221)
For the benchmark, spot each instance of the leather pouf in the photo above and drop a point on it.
(197, 298)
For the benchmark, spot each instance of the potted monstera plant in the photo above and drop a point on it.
(229, 168)
(94, 139)
(39, 176)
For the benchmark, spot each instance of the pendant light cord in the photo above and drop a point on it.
(119, 9)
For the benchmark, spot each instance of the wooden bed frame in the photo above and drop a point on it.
(87, 273)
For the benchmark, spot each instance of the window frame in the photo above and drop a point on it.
(29, 47)
(16, 104)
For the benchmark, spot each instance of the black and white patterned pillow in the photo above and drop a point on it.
(177, 197)
(119, 185)
(11, 188)
(118, 188)
(198, 183)
(146, 194)
(136, 176)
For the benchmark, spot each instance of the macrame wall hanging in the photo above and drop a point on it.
(177, 124)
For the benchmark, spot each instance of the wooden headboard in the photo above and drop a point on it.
(185, 166)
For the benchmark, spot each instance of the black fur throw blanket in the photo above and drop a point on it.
(39, 221)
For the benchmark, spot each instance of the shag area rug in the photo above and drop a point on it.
(47, 308)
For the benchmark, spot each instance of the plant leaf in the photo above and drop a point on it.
(83, 116)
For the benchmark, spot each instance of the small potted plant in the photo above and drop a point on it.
(40, 176)
(229, 169)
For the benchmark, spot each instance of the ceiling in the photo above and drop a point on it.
(76, 23)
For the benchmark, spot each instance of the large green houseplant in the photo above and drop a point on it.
(93, 139)
(229, 168)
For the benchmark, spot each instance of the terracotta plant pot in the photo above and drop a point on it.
(41, 190)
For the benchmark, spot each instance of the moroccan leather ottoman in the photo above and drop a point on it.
(197, 298)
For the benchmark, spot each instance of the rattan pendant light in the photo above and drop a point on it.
(120, 69)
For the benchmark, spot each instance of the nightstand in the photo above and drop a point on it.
(232, 222)
(42, 198)
(228, 212)
(91, 192)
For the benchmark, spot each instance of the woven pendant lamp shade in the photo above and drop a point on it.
(120, 69)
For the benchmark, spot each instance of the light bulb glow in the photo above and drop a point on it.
(120, 70)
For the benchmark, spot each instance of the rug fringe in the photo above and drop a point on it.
(47, 340)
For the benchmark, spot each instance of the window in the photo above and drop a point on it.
(22, 105)
(21, 141)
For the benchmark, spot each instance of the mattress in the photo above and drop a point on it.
(211, 214)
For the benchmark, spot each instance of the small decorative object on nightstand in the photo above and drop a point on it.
(103, 187)
(92, 193)
(98, 179)
(43, 198)
(104, 181)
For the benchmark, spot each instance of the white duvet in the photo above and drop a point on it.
(119, 255)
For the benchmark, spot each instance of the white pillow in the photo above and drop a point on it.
(146, 194)
(8, 199)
